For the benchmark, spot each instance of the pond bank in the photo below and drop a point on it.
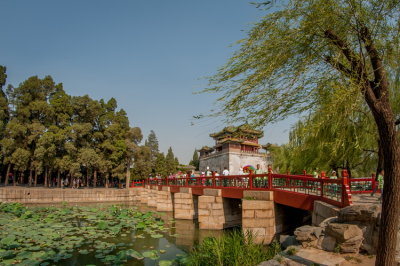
(54, 195)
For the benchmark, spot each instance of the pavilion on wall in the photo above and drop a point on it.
(235, 147)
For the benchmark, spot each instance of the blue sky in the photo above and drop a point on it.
(149, 55)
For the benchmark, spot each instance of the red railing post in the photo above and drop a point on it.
(345, 184)
(270, 177)
(250, 181)
(304, 172)
(322, 187)
(213, 179)
(187, 180)
(373, 181)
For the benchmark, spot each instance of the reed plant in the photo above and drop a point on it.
(236, 248)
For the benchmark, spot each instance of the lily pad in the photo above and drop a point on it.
(151, 255)
(165, 263)
(134, 254)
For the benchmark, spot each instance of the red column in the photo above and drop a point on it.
(213, 179)
(373, 181)
(304, 172)
(345, 183)
(270, 177)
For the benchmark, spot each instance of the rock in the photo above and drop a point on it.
(289, 262)
(287, 241)
(352, 245)
(343, 232)
(327, 243)
(327, 221)
(269, 263)
(369, 214)
(368, 248)
(305, 233)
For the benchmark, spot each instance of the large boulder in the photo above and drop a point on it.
(352, 245)
(348, 237)
(361, 214)
(327, 243)
(308, 235)
(343, 232)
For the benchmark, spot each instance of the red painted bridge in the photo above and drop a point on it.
(298, 191)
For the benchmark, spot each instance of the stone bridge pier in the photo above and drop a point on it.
(185, 204)
(217, 212)
(256, 212)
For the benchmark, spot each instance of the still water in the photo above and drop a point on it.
(177, 240)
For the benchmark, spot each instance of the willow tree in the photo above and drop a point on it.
(298, 48)
(337, 134)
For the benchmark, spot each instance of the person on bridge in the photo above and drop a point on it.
(260, 181)
(225, 173)
(315, 173)
(334, 187)
(380, 180)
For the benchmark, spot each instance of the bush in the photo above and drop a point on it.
(234, 248)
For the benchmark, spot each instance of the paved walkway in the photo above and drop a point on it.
(365, 199)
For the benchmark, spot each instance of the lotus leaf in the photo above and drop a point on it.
(165, 263)
(83, 251)
(134, 254)
(151, 255)
(9, 254)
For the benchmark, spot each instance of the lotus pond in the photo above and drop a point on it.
(90, 235)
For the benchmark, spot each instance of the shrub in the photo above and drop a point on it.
(234, 248)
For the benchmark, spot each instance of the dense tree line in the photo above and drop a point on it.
(47, 135)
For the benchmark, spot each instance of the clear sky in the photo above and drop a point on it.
(149, 55)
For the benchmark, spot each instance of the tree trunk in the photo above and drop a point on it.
(30, 177)
(50, 181)
(58, 179)
(380, 165)
(14, 181)
(389, 225)
(390, 145)
(35, 182)
(45, 177)
(7, 174)
(128, 177)
(94, 178)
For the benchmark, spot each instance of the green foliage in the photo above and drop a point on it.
(49, 235)
(195, 160)
(49, 132)
(288, 59)
(170, 162)
(234, 248)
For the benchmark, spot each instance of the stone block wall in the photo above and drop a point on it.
(144, 195)
(322, 211)
(216, 212)
(165, 200)
(258, 216)
(58, 195)
(152, 197)
(185, 204)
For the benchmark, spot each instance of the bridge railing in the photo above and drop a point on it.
(335, 191)
(363, 185)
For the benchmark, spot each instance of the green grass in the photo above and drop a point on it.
(234, 248)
